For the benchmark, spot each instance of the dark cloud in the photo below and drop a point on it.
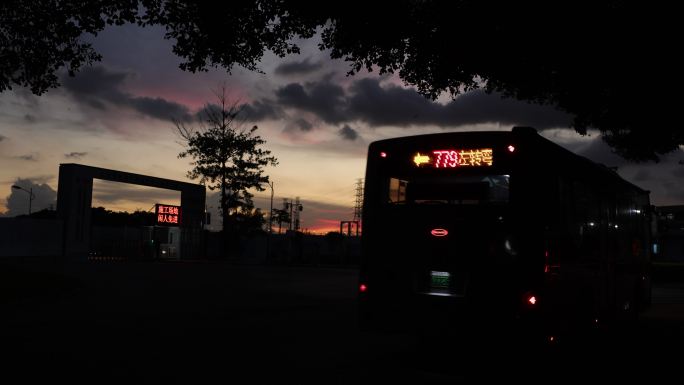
(18, 200)
(324, 99)
(298, 126)
(208, 110)
(398, 106)
(2, 137)
(255, 112)
(348, 133)
(30, 118)
(261, 110)
(160, 108)
(75, 155)
(99, 88)
(368, 101)
(298, 68)
(678, 171)
(642, 175)
(97, 81)
(28, 157)
(303, 124)
(600, 152)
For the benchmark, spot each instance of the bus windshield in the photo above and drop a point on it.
(454, 190)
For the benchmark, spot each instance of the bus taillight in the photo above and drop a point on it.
(363, 288)
(511, 148)
(439, 232)
(532, 300)
(383, 154)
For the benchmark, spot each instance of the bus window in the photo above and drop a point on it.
(397, 190)
(461, 190)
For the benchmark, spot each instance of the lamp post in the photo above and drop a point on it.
(270, 213)
(270, 224)
(29, 191)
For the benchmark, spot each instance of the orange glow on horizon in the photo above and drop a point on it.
(324, 226)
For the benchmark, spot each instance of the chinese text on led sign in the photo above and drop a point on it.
(455, 158)
(167, 215)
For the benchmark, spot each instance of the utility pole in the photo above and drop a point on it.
(297, 207)
(286, 206)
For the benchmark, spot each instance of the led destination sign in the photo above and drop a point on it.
(452, 158)
(167, 215)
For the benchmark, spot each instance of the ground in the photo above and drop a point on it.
(214, 322)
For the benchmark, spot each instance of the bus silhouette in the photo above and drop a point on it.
(499, 229)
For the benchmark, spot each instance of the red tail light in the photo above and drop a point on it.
(439, 232)
(363, 288)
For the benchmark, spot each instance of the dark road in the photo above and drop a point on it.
(218, 323)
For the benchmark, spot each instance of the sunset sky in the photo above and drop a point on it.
(316, 120)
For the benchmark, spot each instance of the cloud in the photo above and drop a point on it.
(255, 112)
(642, 175)
(112, 193)
(18, 200)
(100, 88)
(398, 106)
(2, 137)
(324, 99)
(75, 155)
(348, 133)
(261, 110)
(28, 157)
(368, 101)
(599, 151)
(298, 68)
(160, 108)
(303, 124)
(678, 171)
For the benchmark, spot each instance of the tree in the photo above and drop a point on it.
(281, 216)
(227, 157)
(610, 64)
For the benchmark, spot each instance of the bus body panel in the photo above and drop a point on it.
(476, 243)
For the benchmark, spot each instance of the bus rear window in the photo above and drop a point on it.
(458, 190)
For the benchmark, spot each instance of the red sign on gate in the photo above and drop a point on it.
(167, 215)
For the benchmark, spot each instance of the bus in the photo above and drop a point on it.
(499, 228)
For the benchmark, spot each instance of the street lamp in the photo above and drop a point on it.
(29, 191)
(270, 225)
(270, 213)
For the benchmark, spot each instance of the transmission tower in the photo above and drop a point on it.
(358, 204)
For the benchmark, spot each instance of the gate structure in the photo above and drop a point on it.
(74, 200)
